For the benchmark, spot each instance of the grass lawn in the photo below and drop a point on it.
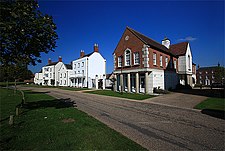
(49, 124)
(73, 88)
(212, 103)
(123, 95)
(4, 84)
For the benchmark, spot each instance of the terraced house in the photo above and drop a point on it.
(142, 64)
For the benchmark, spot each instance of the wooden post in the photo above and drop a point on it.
(17, 111)
(11, 120)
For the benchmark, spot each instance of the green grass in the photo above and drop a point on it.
(41, 126)
(4, 84)
(212, 103)
(121, 95)
(73, 88)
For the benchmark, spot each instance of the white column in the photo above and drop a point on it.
(103, 82)
(146, 82)
(137, 82)
(121, 83)
(128, 82)
(96, 81)
(115, 83)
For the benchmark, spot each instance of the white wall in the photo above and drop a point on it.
(63, 77)
(96, 66)
(156, 80)
(183, 65)
(38, 78)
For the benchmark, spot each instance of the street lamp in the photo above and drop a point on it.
(121, 87)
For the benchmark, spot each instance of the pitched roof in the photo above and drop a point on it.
(68, 66)
(209, 68)
(87, 55)
(51, 64)
(179, 49)
(149, 41)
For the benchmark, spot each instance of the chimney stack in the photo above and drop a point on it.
(60, 59)
(49, 61)
(81, 53)
(95, 47)
(166, 42)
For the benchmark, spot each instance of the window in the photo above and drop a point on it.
(127, 58)
(136, 58)
(119, 62)
(50, 75)
(61, 75)
(166, 60)
(200, 77)
(74, 66)
(200, 72)
(75, 72)
(64, 75)
(206, 72)
(206, 77)
(154, 58)
(82, 71)
(78, 65)
(50, 69)
(189, 62)
(60, 82)
(64, 82)
(175, 64)
(82, 64)
(161, 64)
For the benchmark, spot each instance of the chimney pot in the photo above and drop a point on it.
(60, 59)
(81, 53)
(95, 47)
(49, 60)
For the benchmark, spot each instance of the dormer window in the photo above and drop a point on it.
(127, 57)
(136, 58)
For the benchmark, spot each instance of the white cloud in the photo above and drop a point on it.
(188, 38)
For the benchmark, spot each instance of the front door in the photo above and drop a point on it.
(142, 84)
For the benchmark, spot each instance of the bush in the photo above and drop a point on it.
(180, 86)
(160, 91)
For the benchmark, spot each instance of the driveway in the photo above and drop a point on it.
(152, 125)
(178, 99)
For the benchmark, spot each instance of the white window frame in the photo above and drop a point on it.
(161, 58)
(127, 55)
(175, 64)
(119, 61)
(154, 59)
(78, 65)
(166, 60)
(82, 64)
(136, 58)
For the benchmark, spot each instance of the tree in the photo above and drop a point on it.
(25, 32)
(219, 74)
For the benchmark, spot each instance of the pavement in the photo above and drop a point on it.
(150, 123)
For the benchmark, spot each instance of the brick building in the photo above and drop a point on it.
(209, 75)
(142, 64)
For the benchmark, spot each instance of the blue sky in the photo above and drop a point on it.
(80, 24)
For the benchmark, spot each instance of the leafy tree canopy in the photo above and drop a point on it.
(25, 32)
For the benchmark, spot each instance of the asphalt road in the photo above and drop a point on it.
(154, 126)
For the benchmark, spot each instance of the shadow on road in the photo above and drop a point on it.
(214, 113)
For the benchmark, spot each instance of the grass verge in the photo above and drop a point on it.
(133, 96)
(50, 124)
(212, 103)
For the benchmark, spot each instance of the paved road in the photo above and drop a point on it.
(154, 126)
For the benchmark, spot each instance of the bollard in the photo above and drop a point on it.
(17, 111)
(11, 120)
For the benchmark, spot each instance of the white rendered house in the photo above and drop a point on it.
(63, 75)
(89, 70)
(38, 78)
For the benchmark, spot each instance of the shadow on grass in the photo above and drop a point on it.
(57, 103)
(214, 113)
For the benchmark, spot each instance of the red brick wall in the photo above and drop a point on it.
(136, 45)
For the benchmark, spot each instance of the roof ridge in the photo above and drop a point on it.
(132, 30)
